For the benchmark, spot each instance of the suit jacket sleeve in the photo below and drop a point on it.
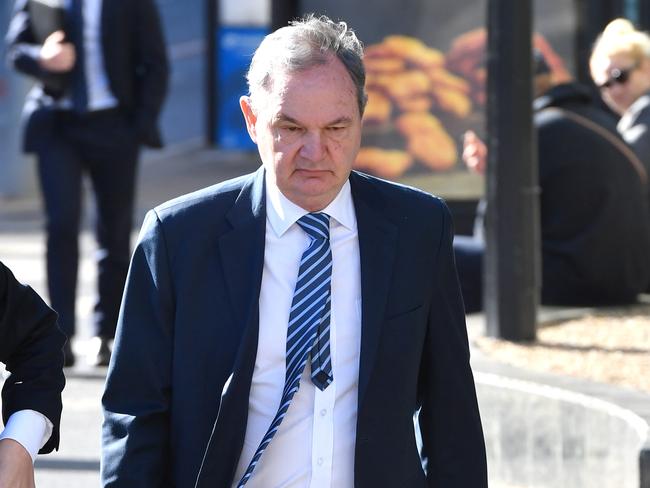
(31, 347)
(23, 51)
(452, 436)
(152, 71)
(136, 430)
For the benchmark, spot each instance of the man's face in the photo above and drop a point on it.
(308, 132)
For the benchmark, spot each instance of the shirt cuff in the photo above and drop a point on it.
(29, 428)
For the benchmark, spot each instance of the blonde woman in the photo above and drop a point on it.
(620, 68)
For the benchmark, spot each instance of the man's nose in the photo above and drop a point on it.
(313, 147)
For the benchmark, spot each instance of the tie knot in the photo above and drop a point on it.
(316, 225)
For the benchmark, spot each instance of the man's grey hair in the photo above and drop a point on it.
(304, 44)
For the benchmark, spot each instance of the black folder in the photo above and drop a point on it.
(47, 16)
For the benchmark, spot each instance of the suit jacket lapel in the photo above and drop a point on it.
(377, 247)
(241, 249)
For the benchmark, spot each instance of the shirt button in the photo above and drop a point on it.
(323, 413)
(320, 461)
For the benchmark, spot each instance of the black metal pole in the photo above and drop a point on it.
(511, 278)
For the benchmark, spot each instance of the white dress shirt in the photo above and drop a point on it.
(99, 92)
(29, 428)
(314, 446)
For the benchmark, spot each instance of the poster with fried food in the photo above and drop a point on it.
(426, 83)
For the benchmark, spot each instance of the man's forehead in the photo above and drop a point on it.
(290, 91)
(283, 78)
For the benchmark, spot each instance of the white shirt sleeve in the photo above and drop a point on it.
(29, 428)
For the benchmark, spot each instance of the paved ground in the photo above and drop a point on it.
(162, 176)
(608, 344)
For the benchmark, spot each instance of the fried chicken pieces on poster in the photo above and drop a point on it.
(406, 81)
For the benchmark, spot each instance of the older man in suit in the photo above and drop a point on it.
(101, 80)
(285, 327)
(31, 348)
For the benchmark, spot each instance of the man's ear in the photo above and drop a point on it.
(249, 116)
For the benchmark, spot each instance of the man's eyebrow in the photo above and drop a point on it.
(286, 118)
(340, 120)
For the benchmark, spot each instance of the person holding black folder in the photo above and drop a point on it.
(102, 76)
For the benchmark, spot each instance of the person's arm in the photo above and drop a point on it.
(30, 429)
(452, 436)
(44, 62)
(136, 428)
(152, 71)
(31, 347)
(16, 468)
(474, 152)
(26, 432)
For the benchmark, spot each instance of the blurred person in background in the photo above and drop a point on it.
(101, 78)
(595, 234)
(31, 348)
(620, 68)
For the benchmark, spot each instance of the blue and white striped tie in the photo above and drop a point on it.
(308, 333)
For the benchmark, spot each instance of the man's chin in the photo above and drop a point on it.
(313, 196)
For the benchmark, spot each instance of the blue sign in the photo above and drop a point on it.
(235, 48)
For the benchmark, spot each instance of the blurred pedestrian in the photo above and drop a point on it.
(595, 234)
(31, 348)
(286, 327)
(620, 68)
(101, 78)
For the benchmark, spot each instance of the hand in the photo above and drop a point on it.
(57, 56)
(474, 152)
(16, 468)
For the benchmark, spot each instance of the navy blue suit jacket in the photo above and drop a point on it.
(176, 397)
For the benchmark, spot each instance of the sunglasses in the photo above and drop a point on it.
(618, 77)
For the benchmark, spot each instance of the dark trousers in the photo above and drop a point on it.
(101, 145)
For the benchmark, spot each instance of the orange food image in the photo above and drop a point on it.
(444, 79)
(414, 51)
(383, 162)
(405, 84)
(436, 150)
(428, 140)
(415, 104)
(384, 65)
(453, 101)
(414, 123)
(378, 108)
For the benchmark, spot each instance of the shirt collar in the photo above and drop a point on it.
(282, 213)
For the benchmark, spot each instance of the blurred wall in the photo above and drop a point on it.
(183, 117)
